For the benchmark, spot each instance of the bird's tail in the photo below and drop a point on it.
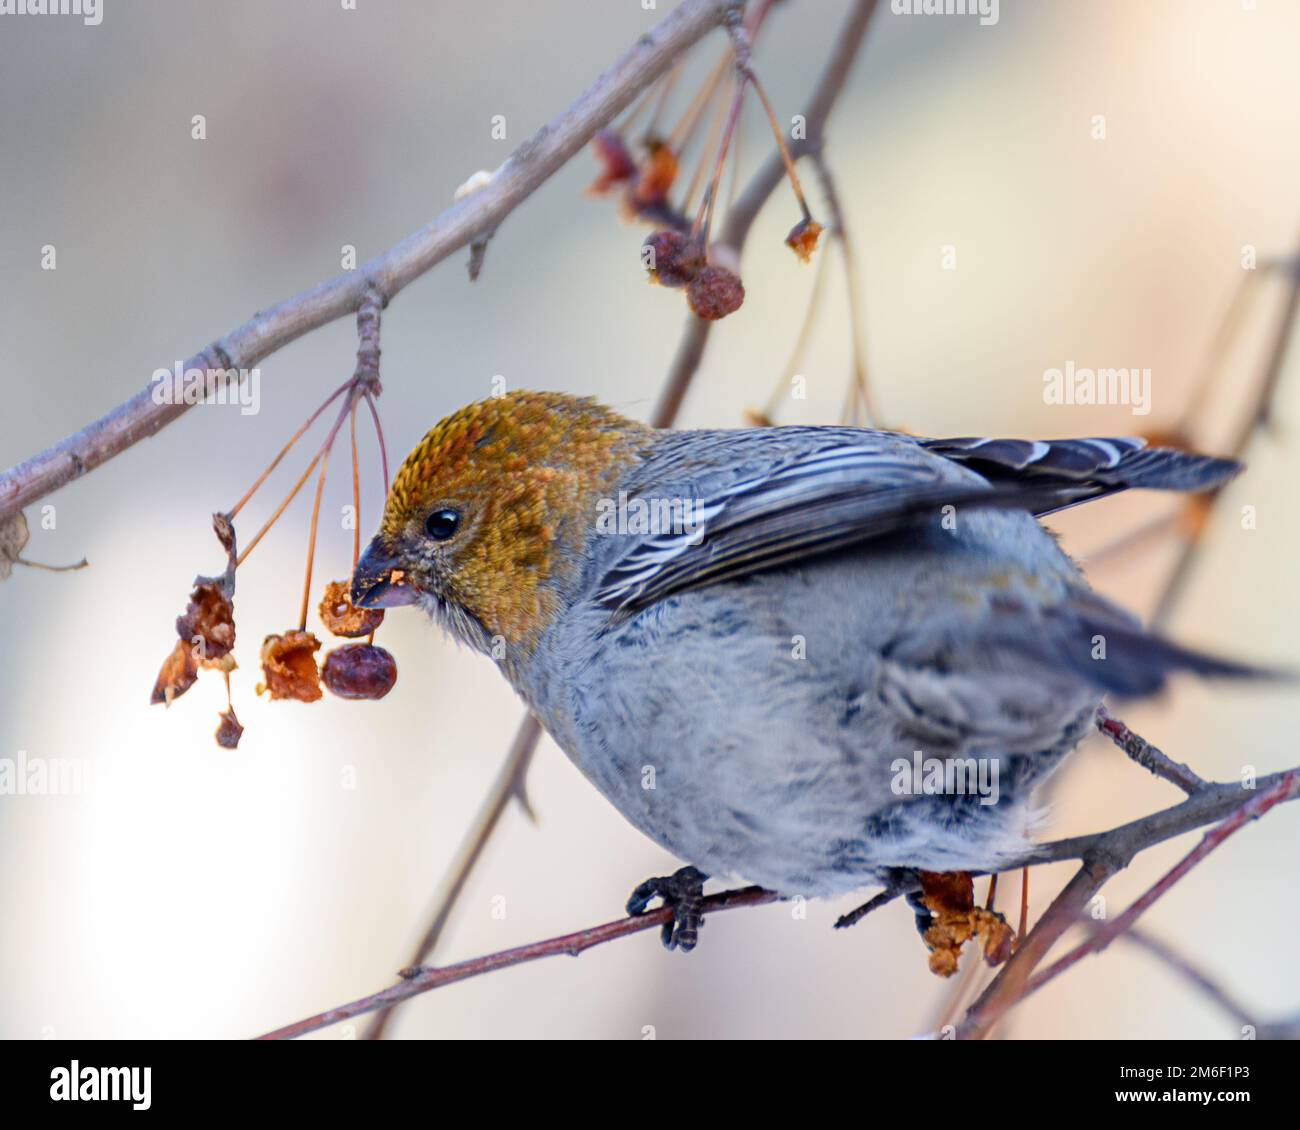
(1057, 473)
(1092, 638)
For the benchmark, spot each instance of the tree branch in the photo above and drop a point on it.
(473, 218)
(1103, 854)
(423, 980)
(1148, 756)
(1015, 982)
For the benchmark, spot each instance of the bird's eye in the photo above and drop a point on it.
(442, 524)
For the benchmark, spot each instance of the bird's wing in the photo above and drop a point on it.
(805, 505)
(849, 486)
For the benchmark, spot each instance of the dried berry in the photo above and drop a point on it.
(289, 666)
(206, 628)
(715, 292)
(342, 617)
(359, 670)
(672, 257)
(230, 731)
(803, 237)
(955, 919)
(616, 162)
(209, 620)
(179, 672)
(657, 176)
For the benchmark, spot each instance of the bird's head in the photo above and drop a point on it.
(487, 521)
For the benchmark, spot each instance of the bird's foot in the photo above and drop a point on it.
(683, 891)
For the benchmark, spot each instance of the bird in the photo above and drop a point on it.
(797, 656)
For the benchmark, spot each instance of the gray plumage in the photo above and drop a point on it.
(752, 685)
(743, 694)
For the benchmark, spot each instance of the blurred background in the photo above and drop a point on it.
(194, 891)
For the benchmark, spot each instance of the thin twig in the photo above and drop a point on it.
(473, 217)
(509, 785)
(1017, 980)
(1148, 756)
(422, 981)
(1285, 789)
(1195, 976)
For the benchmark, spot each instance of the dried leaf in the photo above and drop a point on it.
(230, 731)
(289, 666)
(342, 617)
(359, 670)
(13, 539)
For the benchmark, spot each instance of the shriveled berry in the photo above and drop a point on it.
(359, 670)
(616, 162)
(803, 237)
(342, 617)
(230, 731)
(289, 666)
(657, 175)
(715, 293)
(672, 257)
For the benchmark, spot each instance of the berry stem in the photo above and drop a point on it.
(665, 92)
(780, 141)
(379, 434)
(287, 447)
(356, 490)
(689, 122)
(284, 505)
(324, 455)
(704, 220)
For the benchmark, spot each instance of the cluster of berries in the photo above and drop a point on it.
(206, 629)
(678, 254)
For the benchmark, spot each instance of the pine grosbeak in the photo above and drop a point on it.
(741, 637)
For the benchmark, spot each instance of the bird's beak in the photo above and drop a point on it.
(377, 582)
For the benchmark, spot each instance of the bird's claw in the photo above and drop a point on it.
(683, 890)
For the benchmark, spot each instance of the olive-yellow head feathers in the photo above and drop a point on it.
(488, 517)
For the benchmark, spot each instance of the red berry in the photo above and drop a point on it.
(715, 293)
(359, 670)
(672, 257)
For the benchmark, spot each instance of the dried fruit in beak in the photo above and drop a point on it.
(342, 617)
